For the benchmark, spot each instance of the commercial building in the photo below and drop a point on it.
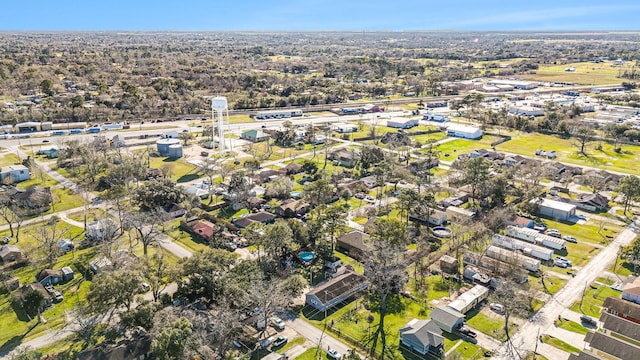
(402, 123)
(464, 131)
(516, 84)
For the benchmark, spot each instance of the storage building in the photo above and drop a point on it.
(164, 144)
(464, 131)
(402, 123)
(557, 209)
(512, 257)
(470, 299)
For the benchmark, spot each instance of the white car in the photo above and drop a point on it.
(333, 354)
(277, 323)
(570, 239)
(499, 308)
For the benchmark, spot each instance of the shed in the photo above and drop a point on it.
(449, 264)
(9, 253)
(556, 209)
(470, 299)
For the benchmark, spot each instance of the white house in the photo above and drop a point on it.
(631, 291)
(344, 128)
(402, 123)
(14, 174)
(464, 131)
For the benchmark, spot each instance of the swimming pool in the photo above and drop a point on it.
(295, 193)
(307, 256)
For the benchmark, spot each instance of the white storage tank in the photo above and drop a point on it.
(164, 144)
(175, 151)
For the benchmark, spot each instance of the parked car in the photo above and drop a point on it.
(499, 308)
(279, 341)
(467, 331)
(333, 354)
(277, 323)
(559, 263)
(370, 198)
(588, 320)
(266, 342)
(255, 311)
(5, 240)
(581, 217)
(145, 287)
(539, 227)
(570, 239)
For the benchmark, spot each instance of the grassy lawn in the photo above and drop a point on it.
(469, 351)
(311, 355)
(571, 326)
(181, 171)
(586, 73)
(298, 340)
(64, 199)
(183, 238)
(593, 299)
(44, 180)
(557, 343)
(346, 260)
(528, 143)
(492, 326)
(553, 283)
(594, 232)
(461, 146)
(93, 214)
(7, 159)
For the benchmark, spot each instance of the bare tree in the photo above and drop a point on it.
(48, 235)
(146, 225)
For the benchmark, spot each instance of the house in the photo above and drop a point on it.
(591, 202)
(9, 253)
(261, 217)
(469, 299)
(290, 208)
(370, 181)
(631, 291)
(464, 131)
(65, 245)
(447, 318)
(49, 277)
(14, 174)
(336, 291)
(449, 264)
(292, 169)
(53, 277)
(422, 336)
(255, 202)
(353, 243)
(521, 222)
(254, 135)
(173, 210)
(101, 230)
(267, 175)
(512, 160)
(100, 264)
(459, 213)
(435, 217)
(402, 123)
(47, 301)
(204, 228)
(137, 347)
(344, 128)
(344, 158)
(556, 209)
(31, 201)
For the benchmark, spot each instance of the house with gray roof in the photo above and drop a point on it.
(447, 318)
(422, 336)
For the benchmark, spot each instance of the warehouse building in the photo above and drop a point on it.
(402, 123)
(557, 209)
(464, 131)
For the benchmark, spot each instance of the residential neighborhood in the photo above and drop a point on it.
(490, 215)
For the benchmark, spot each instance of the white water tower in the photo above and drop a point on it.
(219, 107)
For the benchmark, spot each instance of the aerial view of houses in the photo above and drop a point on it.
(319, 195)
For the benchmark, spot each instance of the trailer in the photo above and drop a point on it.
(551, 242)
(93, 130)
(278, 114)
(528, 249)
(470, 299)
(526, 234)
(58, 132)
(512, 257)
(76, 131)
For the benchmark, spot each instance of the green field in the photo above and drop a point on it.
(527, 143)
(586, 73)
(557, 343)
(492, 326)
(181, 171)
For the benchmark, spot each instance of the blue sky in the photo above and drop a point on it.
(319, 15)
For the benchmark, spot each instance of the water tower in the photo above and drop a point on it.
(219, 107)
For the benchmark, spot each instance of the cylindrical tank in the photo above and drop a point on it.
(175, 151)
(164, 144)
